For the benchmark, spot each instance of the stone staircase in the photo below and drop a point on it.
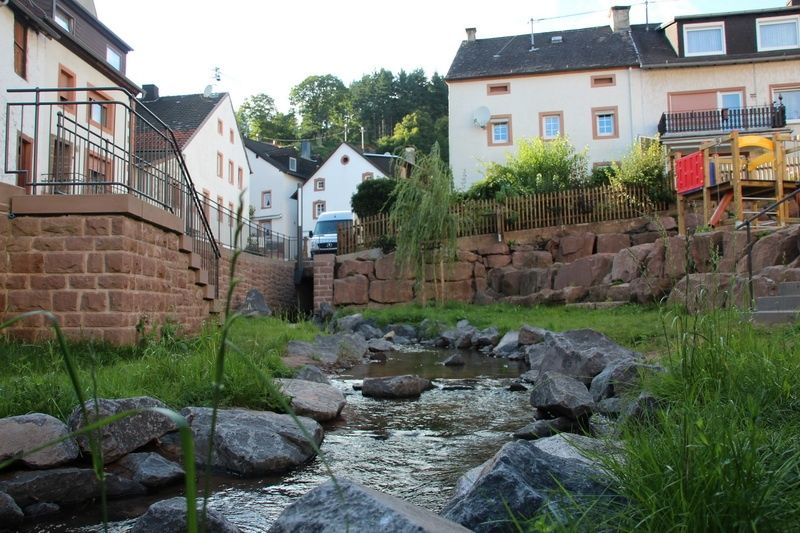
(780, 309)
(201, 278)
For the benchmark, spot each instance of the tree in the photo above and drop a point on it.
(373, 197)
(322, 101)
(259, 119)
(373, 100)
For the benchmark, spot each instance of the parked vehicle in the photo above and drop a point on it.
(324, 237)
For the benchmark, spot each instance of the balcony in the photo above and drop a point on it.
(721, 120)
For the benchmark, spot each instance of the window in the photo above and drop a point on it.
(499, 130)
(293, 164)
(704, 39)
(240, 179)
(220, 126)
(99, 169)
(63, 19)
(778, 33)
(366, 176)
(220, 203)
(318, 208)
(230, 171)
(230, 135)
(319, 184)
(604, 80)
(266, 199)
(66, 79)
(20, 49)
(604, 121)
(345, 159)
(114, 58)
(551, 124)
(101, 114)
(219, 164)
(789, 96)
(230, 213)
(493, 89)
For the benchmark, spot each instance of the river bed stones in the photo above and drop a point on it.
(28, 432)
(312, 373)
(395, 387)
(251, 443)
(254, 305)
(560, 395)
(149, 469)
(314, 400)
(345, 505)
(10, 513)
(169, 516)
(63, 486)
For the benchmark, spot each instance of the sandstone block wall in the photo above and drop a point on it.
(273, 277)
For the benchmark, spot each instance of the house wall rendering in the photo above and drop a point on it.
(270, 196)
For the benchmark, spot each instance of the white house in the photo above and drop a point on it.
(334, 183)
(207, 133)
(603, 87)
(60, 44)
(277, 174)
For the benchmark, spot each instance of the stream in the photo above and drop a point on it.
(412, 449)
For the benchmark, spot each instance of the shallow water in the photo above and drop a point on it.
(413, 449)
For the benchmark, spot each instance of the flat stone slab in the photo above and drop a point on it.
(349, 506)
(315, 400)
(19, 434)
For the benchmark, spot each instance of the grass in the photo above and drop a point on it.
(634, 326)
(176, 370)
(723, 454)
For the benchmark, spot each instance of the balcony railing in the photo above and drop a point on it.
(100, 140)
(728, 119)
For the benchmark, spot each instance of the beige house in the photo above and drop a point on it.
(604, 87)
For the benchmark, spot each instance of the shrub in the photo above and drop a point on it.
(538, 167)
(645, 165)
(373, 197)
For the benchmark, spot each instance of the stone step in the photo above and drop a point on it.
(185, 244)
(201, 277)
(789, 288)
(195, 261)
(778, 303)
(217, 306)
(773, 317)
(209, 292)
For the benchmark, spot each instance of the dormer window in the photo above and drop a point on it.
(114, 58)
(293, 164)
(778, 33)
(704, 39)
(63, 19)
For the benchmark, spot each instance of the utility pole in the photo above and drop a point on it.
(362, 138)
(345, 131)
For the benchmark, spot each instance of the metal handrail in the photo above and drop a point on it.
(748, 224)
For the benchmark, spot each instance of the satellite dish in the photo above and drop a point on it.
(481, 116)
(209, 90)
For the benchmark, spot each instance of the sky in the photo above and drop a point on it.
(269, 46)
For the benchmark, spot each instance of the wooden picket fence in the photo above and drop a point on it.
(576, 206)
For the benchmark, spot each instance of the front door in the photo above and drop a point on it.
(25, 163)
(730, 105)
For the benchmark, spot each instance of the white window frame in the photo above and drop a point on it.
(777, 90)
(496, 127)
(110, 53)
(293, 164)
(560, 131)
(59, 16)
(687, 28)
(777, 20)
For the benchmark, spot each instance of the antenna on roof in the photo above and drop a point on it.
(647, 15)
(217, 74)
(533, 46)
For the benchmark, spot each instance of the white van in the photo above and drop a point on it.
(324, 236)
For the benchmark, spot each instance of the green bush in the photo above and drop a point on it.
(538, 167)
(373, 197)
(645, 165)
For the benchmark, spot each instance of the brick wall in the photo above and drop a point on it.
(273, 277)
(323, 279)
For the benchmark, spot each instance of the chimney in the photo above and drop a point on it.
(471, 34)
(305, 149)
(150, 92)
(620, 18)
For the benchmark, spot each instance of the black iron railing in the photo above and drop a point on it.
(745, 118)
(101, 140)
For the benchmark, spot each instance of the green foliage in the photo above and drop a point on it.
(645, 165)
(538, 167)
(601, 175)
(322, 101)
(426, 226)
(259, 119)
(373, 197)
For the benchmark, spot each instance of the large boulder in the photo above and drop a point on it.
(23, 433)
(630, 263)
(617, 378)
(254, 304)
(391, 291)
(127, 434)
(343, 505)
(486, 337)
(64, 486)
(169, 516)
(611, 243)
(351, 290)
(547, 427)
(779, 248)
(349, 323)
(312, 373)
(518, 481)
(584, 272)
(560, 395)
(705, 250)
(10, 514)
(580, 354)
(703, 292)
(575, 246)
(395, 387)
(524, 259)
(314, 400)
(341, 349)
(576, 447)
(149, 469)
(508, 345)
(252, 443)
(531, 335)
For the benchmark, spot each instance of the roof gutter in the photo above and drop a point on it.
(722, 62)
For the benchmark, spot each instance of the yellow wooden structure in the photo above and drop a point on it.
(749, 172)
